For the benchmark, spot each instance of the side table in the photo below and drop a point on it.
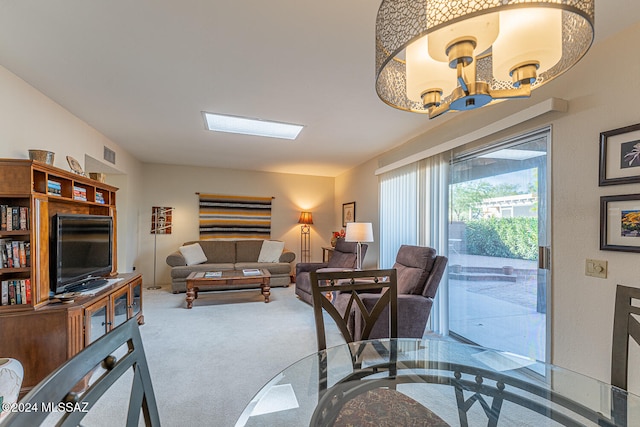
(327, 252)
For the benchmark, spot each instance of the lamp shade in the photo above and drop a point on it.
(497, 50)
(359, 232)
(305, 218)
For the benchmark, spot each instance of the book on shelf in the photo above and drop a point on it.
(23, 291)
(12, 293)
(79, 193)
(27, 284)
(4, 262)
(4, 292)
(24, 218)
(251, 272)
(54, 188)
(8, 250)
(22, 254)
(211, 274)
(99, 197)
(14, 218)
(15, 292)
(15, 249)
(15, 253)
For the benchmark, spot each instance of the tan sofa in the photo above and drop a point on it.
(230, 255)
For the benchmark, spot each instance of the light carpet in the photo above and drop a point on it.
(208, 362)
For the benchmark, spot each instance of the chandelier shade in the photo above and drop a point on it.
(434, 56)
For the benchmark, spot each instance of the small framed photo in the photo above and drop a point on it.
(620, 156)
(348, 213)
(620, 223)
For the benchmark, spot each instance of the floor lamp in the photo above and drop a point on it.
(305, 236)
(160, 224)
(359, 232)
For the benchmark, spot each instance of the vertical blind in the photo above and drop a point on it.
(414, 211)
(398, 211)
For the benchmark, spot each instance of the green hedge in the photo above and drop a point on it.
(503, 237)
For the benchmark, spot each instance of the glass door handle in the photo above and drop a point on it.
(544, 257)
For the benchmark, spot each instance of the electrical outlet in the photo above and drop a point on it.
(596, 268)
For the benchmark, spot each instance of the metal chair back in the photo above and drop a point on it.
(354, 282)
(75, 387)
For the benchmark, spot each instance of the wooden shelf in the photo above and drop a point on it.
(45, 333)
(23, 178)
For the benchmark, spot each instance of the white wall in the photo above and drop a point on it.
(361, 186)
(176, 186)
(603, 92)
(30, 120)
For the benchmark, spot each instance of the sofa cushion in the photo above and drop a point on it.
(410, 279)
(248, 250)
(341, 259)
(219, 251)
(271, 251)
(193, 254)
(413, 264)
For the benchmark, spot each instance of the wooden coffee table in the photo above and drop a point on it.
(197, 282)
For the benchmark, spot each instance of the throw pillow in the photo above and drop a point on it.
(193, 254)
(271, 251)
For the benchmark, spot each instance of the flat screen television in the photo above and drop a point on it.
(81, 251)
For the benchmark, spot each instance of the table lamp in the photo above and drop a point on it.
(359, 232)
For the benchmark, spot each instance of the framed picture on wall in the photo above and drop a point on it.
(620, 223)
(348, 213)
(161, 220)
(620, 156)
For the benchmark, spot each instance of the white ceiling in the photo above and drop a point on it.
(141, 72)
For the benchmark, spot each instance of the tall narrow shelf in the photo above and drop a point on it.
(44, 333)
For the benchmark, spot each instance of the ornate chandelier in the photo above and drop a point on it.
(434, 56)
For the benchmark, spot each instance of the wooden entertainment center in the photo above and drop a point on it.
(42, 332)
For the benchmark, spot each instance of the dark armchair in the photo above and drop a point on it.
(419, 273)
(343, 257)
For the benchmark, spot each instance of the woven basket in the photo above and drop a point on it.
(100, 177)
(43, 156)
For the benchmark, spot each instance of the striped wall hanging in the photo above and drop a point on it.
(234, 217)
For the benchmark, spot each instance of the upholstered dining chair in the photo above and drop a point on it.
(69, 393)
(378, 403)
(625, 328)
(343, 257)
(420, 271)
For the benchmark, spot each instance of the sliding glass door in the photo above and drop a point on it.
(497, 293)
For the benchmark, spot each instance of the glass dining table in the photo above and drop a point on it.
(463, 385)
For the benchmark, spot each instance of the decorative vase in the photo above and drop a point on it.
(11, 375)
(334, 240)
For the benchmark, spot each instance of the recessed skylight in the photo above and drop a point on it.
(248, 126)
